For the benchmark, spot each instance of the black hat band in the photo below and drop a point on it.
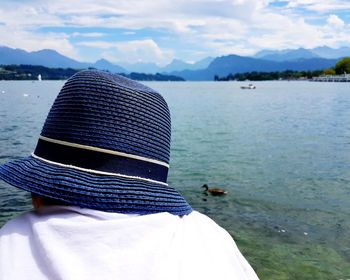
(101, 160)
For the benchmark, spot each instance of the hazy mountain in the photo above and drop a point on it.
(12, 56)
(263, 53)
(206, 69)
(48, 58)
(179, 65)
(51, 58)
(328, 52)
(286, 55)
(175, 65)
(224, 65)
(202, 64)
(150, 68)
(301, 53)
(104, 64)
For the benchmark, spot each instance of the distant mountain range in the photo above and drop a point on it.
(301, 53)
(266, 60)
(175, 65)
(51, 58)
(232, 64)
(48, 58)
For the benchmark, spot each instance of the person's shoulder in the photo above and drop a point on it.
(196, 216)
(205, 224)
(16, 224)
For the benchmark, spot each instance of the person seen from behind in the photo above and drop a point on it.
(102, 205)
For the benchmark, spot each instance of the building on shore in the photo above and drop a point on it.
(332, 78)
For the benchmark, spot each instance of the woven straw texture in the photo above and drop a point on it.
(111, 112)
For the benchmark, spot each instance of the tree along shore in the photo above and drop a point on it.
(270, 76)
(32, 72)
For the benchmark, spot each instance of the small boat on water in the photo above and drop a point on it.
(250, 86)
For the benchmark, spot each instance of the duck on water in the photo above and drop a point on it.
(214, 191)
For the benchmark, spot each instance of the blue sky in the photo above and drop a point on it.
(160, 30)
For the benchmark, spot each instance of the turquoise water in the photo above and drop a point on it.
(281, 151)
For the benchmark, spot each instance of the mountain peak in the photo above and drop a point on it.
(303, 53)
(104, 64)
(180, 65)
(102, 61)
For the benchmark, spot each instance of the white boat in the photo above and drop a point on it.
(39, 77)
(250, 86)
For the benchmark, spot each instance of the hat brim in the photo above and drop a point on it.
(95, 191)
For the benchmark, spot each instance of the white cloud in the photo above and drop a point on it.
(143, 51)
(200, 27)
(129, 33)
(320, 6)
(97, 44)
(179, 15)
(88, 34)
(133, 51)
(334, 20)
(27, 17)
(29, 41)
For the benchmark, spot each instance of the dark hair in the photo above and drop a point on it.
(49, 201)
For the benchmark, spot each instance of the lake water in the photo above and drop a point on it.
(282, 151)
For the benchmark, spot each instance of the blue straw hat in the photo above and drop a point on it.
(105, 145)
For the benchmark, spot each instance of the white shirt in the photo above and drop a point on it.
(61, 242)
